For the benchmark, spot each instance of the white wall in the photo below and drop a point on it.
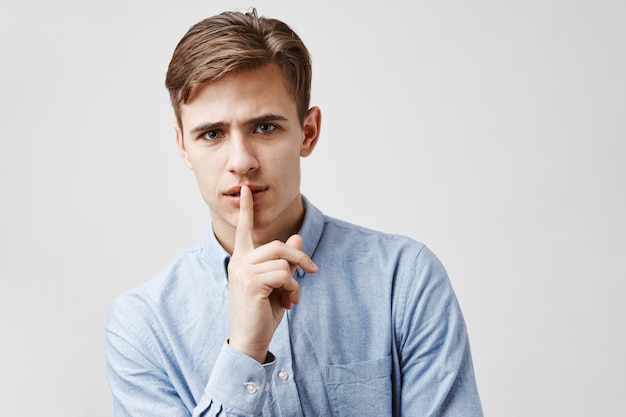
(493, 131)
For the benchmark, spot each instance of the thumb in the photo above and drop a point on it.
(295, 241)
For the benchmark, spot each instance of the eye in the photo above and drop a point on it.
(265, 128)
(212, 135)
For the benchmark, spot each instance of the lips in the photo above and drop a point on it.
(236, 191)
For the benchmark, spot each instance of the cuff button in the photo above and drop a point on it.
(251, 387)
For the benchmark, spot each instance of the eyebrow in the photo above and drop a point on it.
(254, 121)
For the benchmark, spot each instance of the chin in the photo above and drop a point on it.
(263, 222)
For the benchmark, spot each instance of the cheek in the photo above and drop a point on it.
(285, 155)
(206, 162)
(285, 167)
(288, 169)
(207, 175)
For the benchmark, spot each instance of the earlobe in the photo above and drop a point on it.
(311, 128)
(180, 144)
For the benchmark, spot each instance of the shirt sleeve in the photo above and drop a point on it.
(434, 352)
(142, 384)
(238, 382)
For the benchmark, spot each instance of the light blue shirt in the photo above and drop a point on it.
(378, 332)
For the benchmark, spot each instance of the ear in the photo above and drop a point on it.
(180, 144)
(311, 127)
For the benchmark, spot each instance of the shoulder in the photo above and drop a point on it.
(169, 277)
(168, 289)
(340, 233)
(411, 262)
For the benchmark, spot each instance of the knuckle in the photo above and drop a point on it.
(275, 245)
(284, 275)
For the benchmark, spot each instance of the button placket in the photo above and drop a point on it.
(284, 389)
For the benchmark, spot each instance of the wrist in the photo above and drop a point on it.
(260, 354)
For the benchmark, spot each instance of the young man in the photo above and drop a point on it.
(280, 310)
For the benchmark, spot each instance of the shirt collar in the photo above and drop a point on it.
(311, 230)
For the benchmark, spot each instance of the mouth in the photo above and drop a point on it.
(236, 191)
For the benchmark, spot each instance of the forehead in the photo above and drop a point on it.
(243, 94)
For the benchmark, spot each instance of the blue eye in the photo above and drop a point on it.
(212, 135)
(265, 128)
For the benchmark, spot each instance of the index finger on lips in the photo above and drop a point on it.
(244, 240)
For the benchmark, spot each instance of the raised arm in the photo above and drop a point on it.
(143, 379)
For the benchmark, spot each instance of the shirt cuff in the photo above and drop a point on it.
(238, 381)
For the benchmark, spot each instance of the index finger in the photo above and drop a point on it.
(244, 240)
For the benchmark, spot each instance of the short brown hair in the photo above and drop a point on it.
(232, 42)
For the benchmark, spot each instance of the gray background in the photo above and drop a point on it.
(493, 131)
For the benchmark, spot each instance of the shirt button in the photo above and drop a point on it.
(283, 375)
(251, 387)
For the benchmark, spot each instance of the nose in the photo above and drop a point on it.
(241, 158)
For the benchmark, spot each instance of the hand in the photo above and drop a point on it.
(261, 283)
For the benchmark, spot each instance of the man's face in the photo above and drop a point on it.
(244, 130)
